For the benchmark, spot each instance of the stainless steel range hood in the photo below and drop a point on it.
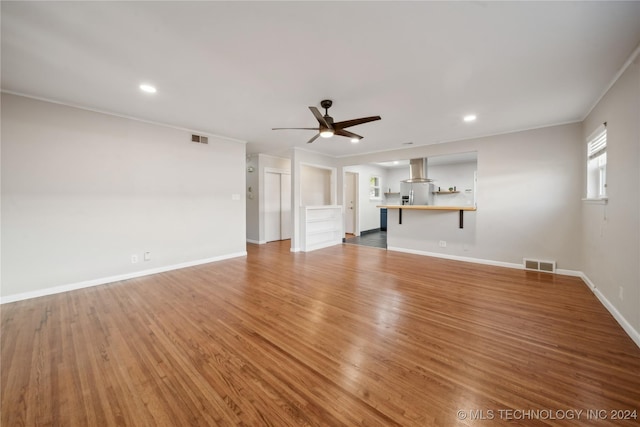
(418, 171)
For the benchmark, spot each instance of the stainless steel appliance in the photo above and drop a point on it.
(417, 193)
(418, 189)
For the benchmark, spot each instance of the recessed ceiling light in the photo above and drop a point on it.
(147, 88)
(470, 118)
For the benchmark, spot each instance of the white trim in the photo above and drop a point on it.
(256, 242)
(633, 334)
(401, 150)
(278, 171)
(513, 265)
(458, 258)
(597, 201)
(588, 281)
(626, 326)
(573, 273)
(356, 207)
(322, 245)
(294, 250)
(123, 116)
(626, 65)
(111, 279)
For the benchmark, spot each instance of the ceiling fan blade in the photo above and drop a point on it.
(294, 128)
(313, 139)
(320, 118)
(348, 134)
(353, 122)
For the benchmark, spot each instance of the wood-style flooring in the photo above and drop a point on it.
(344, 336)
(375, 239)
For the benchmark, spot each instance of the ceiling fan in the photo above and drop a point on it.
(327, 128)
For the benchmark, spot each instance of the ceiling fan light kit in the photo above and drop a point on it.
(327, 127)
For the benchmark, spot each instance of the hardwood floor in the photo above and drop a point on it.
(348, 335)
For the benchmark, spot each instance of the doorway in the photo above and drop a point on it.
(351, 203)
(277, 205)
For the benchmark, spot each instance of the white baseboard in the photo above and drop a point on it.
(111, 279)
(323, 245)
(630, 330)
(633, 334)
(573, 273)
(458, 258)
(257, 242)
(480, 261)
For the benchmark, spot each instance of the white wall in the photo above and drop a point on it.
(528, 195)
(458, 175)
(611, 246)
(253, 198)
(83, 191)
(315, 186)
(395, 176)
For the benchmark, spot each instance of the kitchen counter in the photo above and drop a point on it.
(429, 207)
(460, 209)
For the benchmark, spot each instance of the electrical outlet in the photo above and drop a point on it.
(443, 243)
(147, 256)
(621, 293)
(134, 259)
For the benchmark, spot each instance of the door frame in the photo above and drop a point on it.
(263, 221)
(356, 201)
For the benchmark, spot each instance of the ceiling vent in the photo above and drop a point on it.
(199, 139)
(539, 265)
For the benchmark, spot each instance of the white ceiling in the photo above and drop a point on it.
(447, 159)
(238, 69)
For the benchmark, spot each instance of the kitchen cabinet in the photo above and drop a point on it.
(383, 219)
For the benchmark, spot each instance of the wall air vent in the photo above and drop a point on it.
(539, 265)
(200, 139)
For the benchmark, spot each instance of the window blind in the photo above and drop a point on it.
(597, 142)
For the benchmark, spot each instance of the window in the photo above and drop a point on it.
(597, 164)
(374, 188)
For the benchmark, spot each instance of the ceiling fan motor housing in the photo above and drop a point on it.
(327, 127)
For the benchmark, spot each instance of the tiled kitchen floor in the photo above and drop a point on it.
(376, 239)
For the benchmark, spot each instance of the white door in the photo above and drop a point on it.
(350, 202)
(285, 206)
(277, 206)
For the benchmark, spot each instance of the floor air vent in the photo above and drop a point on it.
(538, 265)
